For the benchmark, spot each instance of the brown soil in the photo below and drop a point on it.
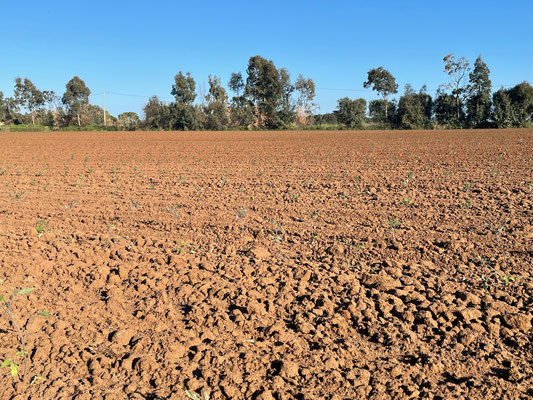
(270, 265)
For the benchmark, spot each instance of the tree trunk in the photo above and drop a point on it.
(79, 123)
(386, 116)
(32, 118)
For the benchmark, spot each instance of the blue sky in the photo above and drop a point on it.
(136, 47)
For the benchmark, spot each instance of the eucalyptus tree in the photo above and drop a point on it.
(183, 111)
(382, 81)
(76, 97)
(306, 95)
(216, 107)
(28, 96)
(478, 103)
(457, 70)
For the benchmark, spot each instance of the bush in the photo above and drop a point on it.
(24, 128)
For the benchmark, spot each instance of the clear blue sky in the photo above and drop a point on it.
(136, 47)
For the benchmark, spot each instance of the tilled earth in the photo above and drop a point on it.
(268, 265)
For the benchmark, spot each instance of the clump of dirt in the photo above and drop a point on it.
(269, 265)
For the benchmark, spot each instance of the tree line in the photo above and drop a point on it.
(265, 97)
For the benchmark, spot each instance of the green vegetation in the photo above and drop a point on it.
(266, 98)
(21, 330)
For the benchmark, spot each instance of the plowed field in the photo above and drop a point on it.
(268, 265)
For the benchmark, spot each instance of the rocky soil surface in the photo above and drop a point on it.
(268, 265)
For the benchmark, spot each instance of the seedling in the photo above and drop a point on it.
(22, 331)
(507, 279)
(174, 209)
(406, 202)
(17, 195)
(467, 204)
(134, 204)
(241, 214)
(194, 396)
(277, 226)
(394, 225)
(40, 226)
(495, 172)
(466, 186)
(407, 178)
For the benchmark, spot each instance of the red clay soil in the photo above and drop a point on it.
(269, 265)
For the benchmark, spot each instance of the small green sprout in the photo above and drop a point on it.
(467, 204)
(22, 331)
(40, 226)
(394, 224)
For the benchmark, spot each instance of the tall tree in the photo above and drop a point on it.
(241, 109)
(76, 97)
(457, 71)
(414, 109)
(183, 111)
(502, 110)
(264, 89)
(306, 95)
(184, 88)
(445, 111)
(216, 108)
(514, 106)
(351, 112)
(478, 103)
(157, 114)
(286, 108)
(382, 82)
(521, 97)
(28, 96)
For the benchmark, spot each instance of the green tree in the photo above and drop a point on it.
(28, 96)
(414, 109)
(157, 114)
(513, 107)
(478, 103)
(351, 112)
(129, 119)
(241, 109)
(264, 89)
(183, 111)
(502, 109)
(3, 109)
(521, 97)
(184, 88)
(95, 115)
(382, 82)
(445, 109)
(286, 109)
(457, 71)
(382, 110)
(216, 109)
(76, 97)
(306, 95)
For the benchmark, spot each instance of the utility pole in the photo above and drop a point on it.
(105, 119)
